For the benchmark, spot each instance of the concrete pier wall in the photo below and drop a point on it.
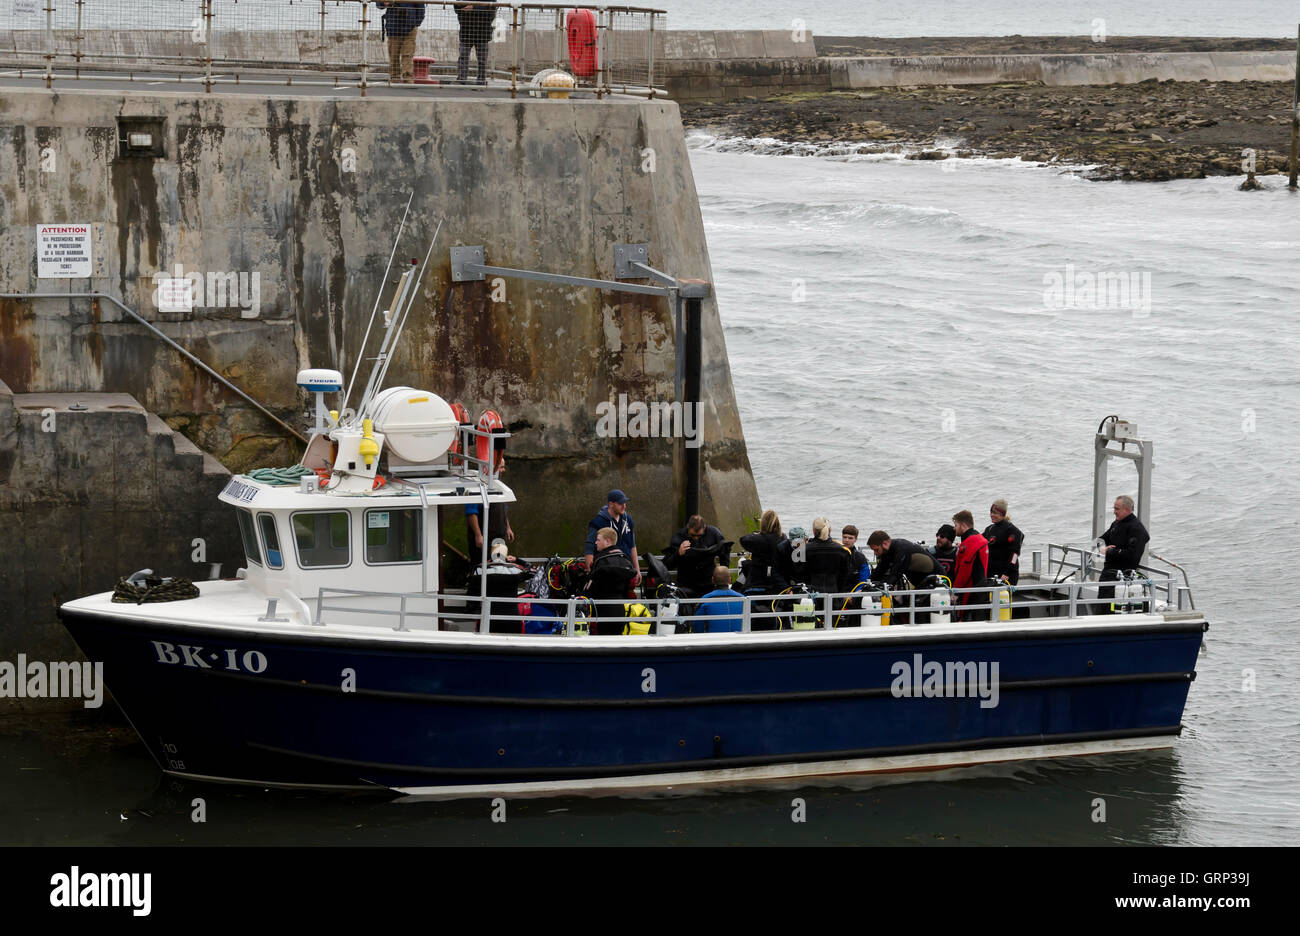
(308, 193)
(732, 78)
(94, 487)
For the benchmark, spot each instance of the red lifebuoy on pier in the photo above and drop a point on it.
(583, 56)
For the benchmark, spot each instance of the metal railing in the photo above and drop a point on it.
(573, 616)
(337, 43)
(1081, 561)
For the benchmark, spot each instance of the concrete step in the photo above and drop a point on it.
(93, 487)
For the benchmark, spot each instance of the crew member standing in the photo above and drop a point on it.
(1005, 541)
(972, 561)
(1126, 540)
(614, 514)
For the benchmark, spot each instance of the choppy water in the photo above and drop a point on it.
(929, 373)
(925, 373)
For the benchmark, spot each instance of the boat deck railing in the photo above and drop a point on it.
(1035, 597)
(333, 43)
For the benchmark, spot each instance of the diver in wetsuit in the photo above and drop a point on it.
(1005, 542)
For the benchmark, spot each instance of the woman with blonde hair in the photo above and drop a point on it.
(762, 570)
(827, 561)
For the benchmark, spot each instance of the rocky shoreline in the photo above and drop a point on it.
(1150, 131)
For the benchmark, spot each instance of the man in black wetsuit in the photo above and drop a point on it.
(1005, 542)
(898, 559)
(694, 551)
(612, 574)
(945, 552)
(849, 537)
(1125, 542)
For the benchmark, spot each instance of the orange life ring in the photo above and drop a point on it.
(462, 416)
(583, 54)
(324, 474)
(380, 481)
(490, 420)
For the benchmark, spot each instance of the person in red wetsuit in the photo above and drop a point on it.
(972, 562)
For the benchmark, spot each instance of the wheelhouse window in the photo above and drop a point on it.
(393, 536)
(270, 540)
(322, 539)
(247, 534)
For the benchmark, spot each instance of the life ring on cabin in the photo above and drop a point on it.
(462, 417)
(380, 481)
(583, 54)
(490, 422)
(324, 474)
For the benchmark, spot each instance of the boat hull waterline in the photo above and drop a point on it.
(456, 716)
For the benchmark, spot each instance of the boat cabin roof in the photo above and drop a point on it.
(440, 491)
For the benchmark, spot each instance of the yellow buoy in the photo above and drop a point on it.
(369, 449)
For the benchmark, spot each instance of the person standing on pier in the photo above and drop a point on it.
(475, 33)
(400, 23)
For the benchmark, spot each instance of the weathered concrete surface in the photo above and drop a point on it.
(87, 496)
(308, 193)
(716, 79)
(339, 47)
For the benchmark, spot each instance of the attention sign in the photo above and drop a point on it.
(63, 251)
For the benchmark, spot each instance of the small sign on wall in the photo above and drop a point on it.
(26, 7)
(63, 251)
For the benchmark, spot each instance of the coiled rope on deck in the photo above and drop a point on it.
(153, 589)
(280, 476)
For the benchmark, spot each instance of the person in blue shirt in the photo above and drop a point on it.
(614, 514)
(720, 616)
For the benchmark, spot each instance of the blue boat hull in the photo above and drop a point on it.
(328, 712)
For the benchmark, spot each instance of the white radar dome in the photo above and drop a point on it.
(418, 426)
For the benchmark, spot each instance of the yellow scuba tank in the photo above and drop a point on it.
(805, 614)
(1004, 602)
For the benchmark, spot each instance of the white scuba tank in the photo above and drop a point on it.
(941, 607)
(668, 616)
(1133, 594)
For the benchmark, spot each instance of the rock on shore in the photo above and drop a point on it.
(1151, 131)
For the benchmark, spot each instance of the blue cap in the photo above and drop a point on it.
(617, 497)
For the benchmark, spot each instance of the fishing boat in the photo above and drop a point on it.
(339, 657)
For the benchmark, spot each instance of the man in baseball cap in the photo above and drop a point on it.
(614, 514)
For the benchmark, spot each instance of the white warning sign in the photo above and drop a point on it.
(63, 251)
(26, 8)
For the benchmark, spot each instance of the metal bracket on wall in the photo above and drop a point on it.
(625, 255)
(461, 256)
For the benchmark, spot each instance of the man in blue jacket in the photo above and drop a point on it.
(720, 616)
(401, 20)
(614, 514)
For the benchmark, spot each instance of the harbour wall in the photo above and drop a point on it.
(309, 192)
(720, 79)
(694, 64)
(93, 487)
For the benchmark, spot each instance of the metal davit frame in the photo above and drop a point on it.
(1114, 429)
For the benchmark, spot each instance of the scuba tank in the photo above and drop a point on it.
(1130, 594)
(940, 599)
(803, 609)
(805, 613)
(579, 626)
(667, 623)
(1004, 602)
